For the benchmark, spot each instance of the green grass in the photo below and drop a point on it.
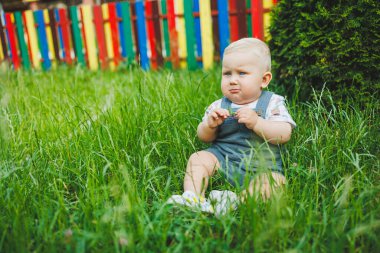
(88, 159)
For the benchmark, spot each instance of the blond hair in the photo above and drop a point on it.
(253, 45)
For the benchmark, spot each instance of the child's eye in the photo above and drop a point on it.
(227, 73)
(242, 73)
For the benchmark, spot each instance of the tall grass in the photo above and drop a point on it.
(88, 159)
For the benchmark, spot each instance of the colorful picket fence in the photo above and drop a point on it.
(155, 33)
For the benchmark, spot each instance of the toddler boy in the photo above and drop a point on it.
(246, 129)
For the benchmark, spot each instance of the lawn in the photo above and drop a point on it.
(88, 159)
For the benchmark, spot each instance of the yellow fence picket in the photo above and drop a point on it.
(1, 45)
(267, 4)
(108, 36)
(90, 37)
(206, 31)
(1, 52)
(33, 42)
(180, 25)
(50, 38)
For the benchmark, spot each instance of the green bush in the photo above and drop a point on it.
(332, 43)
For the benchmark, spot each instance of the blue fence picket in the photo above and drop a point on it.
(41, 30)
(197, 26)
(121, 30)
(141, 33)
(224, 33)
(60, 37)
(2, 38)
(6, 46)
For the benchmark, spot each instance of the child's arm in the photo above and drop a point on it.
(275, 132)
(207, 129)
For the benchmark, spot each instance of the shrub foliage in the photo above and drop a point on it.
(336, 43)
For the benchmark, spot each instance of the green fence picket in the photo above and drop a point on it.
(190, 35)
(165, 29)
(249, 19)
(127, 30)
(21, 40)
(77, 35)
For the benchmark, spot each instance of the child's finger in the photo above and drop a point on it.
(226, 112)
(222, 113)
(242, 120)
(216, 118)
(214, 115)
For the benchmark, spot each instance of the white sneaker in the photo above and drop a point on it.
(224, 202)
(192, 200)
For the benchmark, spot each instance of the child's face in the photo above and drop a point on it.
(243, 77)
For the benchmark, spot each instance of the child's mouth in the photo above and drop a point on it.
(234, 90)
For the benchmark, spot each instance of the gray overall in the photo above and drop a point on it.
(240, 151)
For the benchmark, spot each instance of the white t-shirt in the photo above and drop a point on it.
(276, 109)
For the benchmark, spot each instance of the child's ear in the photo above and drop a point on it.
(267, 77)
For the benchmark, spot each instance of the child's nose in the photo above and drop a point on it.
(234, 79)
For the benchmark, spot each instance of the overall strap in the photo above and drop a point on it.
(226, 103)
(262, 104)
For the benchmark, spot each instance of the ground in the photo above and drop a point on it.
(88, 159)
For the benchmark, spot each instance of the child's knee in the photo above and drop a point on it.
(279, 179)
(204, 161)
(266, 184)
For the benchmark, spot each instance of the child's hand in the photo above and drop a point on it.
(247, 116)
(217, 117)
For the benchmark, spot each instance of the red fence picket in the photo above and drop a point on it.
(12, 40)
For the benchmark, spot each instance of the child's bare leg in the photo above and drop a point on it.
(200, 166)
(264, 186)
